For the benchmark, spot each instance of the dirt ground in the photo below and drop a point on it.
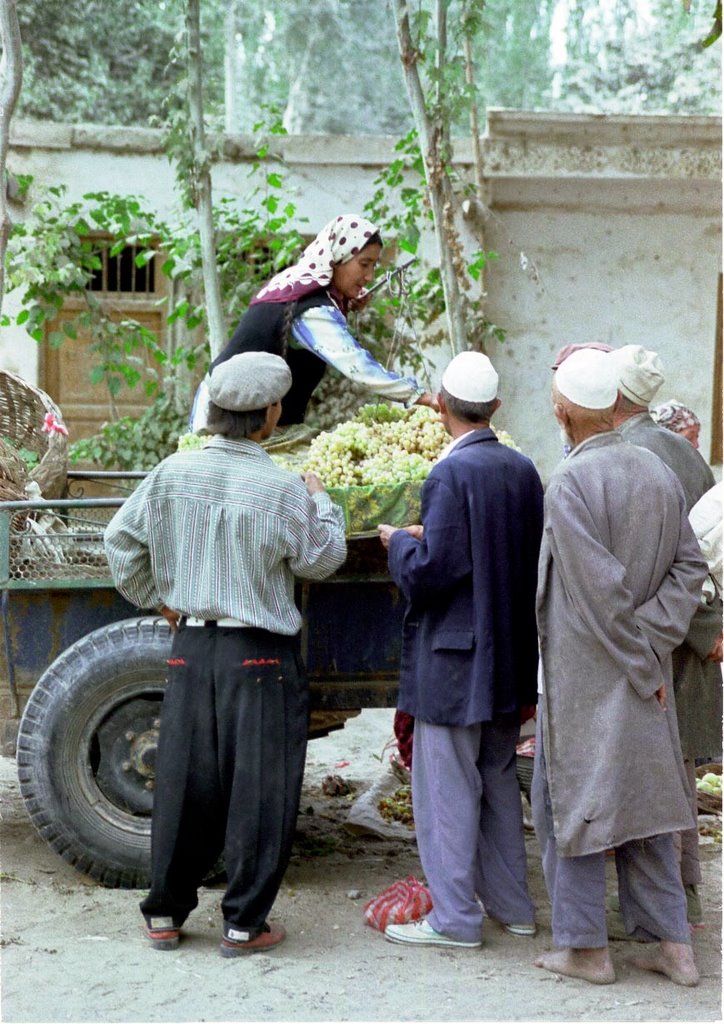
(73, 951)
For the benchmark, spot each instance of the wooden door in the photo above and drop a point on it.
(126, 292)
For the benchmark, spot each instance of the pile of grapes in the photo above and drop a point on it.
(710, 783)
(383, 444)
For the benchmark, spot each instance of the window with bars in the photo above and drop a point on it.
(120, 275)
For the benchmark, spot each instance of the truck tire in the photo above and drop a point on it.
(86, 750)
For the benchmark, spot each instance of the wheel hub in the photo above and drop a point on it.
(126, 754)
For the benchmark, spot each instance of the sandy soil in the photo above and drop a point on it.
(73, 951)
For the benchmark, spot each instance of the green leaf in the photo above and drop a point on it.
(69, 329)
(22, 317)
(145, 257)
(274, 180)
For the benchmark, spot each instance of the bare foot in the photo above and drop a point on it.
(592, 965)
(674, 959)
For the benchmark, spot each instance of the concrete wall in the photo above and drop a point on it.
(618, 218)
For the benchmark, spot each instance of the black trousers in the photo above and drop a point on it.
(230, 763)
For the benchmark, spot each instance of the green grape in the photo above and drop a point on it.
(382, 445)
(191, 442)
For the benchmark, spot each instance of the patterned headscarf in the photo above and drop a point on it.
(675, 416)
(337, 242)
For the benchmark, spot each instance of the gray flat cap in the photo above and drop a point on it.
(249, 380)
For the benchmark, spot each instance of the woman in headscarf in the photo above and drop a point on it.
(680, 419)
(301, 314)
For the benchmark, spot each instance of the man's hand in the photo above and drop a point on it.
(313, 483)
(414, 531)
(716, 653)
(170, 616)
(661, 695)
(386, 531)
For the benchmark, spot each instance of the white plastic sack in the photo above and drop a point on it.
(364, 814)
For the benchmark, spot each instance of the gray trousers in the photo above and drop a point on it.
(650, 891)
(469, 825)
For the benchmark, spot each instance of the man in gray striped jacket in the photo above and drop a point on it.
(213, 539)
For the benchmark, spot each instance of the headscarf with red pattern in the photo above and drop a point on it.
(337, 242)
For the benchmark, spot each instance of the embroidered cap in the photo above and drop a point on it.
(640, 373)
(588, 378)
(471, 377)
(249, 380)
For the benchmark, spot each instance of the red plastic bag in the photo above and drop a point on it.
(403, 901)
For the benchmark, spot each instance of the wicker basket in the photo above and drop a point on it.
(23, 408)
(707, 802)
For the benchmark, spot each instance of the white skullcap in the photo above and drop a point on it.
(248, 381)
(640, 373)
(588, 378)
(471, 377)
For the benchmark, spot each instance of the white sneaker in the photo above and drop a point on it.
(528, 930)
(420, 933)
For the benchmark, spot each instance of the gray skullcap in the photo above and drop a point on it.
(249, 380)
(588, 378)
(640, 373)
(471, 377)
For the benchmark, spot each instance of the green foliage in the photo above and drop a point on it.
(716, 29)
(95, 60)
(399, 206)
(108, 62)
(627, 60)
(53, 255)
(134, 443)
(261, 237)
(29, 457)
(55, 252)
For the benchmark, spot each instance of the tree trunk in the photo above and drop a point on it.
(431, 138)
(297, 108)
(480, 200)
(202, 182)
(11, 77)
(230, 68)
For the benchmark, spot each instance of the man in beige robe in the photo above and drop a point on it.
(620, 577)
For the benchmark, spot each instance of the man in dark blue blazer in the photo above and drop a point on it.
(469, 664)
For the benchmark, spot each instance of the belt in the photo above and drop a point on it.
(227, 623)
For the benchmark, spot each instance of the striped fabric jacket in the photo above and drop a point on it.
(222, 532)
